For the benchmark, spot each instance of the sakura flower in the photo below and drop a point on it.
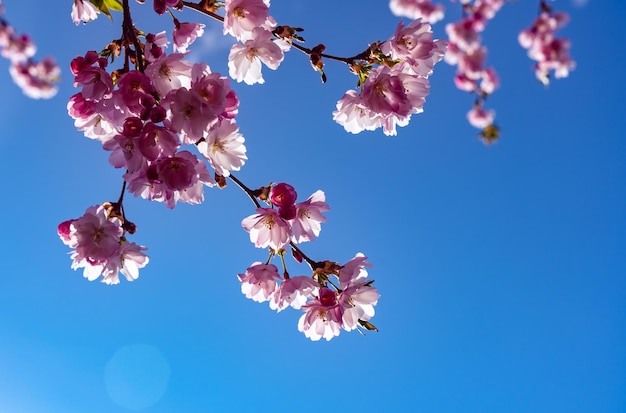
(160, 6)
(243, 16)
(155, 46)
(353, 272)
(323, 316)
(36, 79)
(95, 235)
(83, 11)
(294, 292)
(307, 224)
(185, 34)
(224, 148)
(358, 303)
(96, 83)
(353, 115)
(417, 9)
(128, 260)
(244, 60)
(124, 153)
(189, 114)
(134, 87)
(64, 230)
(171, 179)
(267, 229)
(480, 118)
(169, 72)
(259, 281)
(19, 48)
(156, 142)
(414, 44)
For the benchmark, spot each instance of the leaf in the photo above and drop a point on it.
(105, 5)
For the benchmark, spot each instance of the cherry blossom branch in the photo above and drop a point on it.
(128, 34)
(280, 32)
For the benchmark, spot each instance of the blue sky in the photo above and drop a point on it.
(501, 269)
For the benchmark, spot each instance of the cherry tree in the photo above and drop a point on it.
(171, 125)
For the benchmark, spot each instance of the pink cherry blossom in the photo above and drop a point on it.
(95, 235)
(171, 179)
(189, 114)
(244, 60)
(224, 147)
(36, 79)
(156, 142)
(353, 272)
(357, 301)
(169, 72)
(160, 6)
(480, 118)
(417, 9)
(307, 224)
(83, 11)
(354, 115)
(128, 260)
(259, 281)
(185, 34)
(550, 52)
(294, 292)
(100, 246)
(415, 45)
(133, 87)
(96, 83)
(323, 316)
(155, 46)
(243, 16)
(267, 229)
(19, 48)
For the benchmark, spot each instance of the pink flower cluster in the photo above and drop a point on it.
(100, 245)
(36, 79)
(328, 308)
(469, 55)
(550, 53)
(289, 222)
(145, 117)
(395, 89)
(250, 23)
(417, 9)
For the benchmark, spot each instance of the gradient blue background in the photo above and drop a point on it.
(501, 269)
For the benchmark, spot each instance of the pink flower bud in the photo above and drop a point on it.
(283, 194)
(64, 229)
(132, 127)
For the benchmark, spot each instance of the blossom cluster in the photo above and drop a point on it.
(250, 23)
(37, 79)
(289, 222)
(397, 87)
(550, 53)
(146, 116)
(327, 308)
(469, 55)
(100, 245)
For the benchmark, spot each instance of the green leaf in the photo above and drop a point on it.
(106, 5)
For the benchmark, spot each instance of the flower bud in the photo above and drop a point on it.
(283, 194)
